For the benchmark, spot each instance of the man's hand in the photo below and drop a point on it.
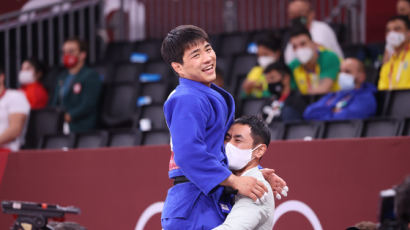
(278, 184)
(247, 186)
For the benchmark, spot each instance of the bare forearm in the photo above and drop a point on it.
(9, 135)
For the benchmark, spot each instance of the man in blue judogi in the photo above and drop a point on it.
(198, 115)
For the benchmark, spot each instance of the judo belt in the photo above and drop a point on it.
(180, 180)
(183, 179)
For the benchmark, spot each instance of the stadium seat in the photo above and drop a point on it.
(398, 105)
(150, 47)
(120, 105)
(355, 51)
(127, 72)
(341, 129)
(158, 67)
(156, 138)
(155, 114)
(251, 106)
(42, 122)
(301, 130)
(234, 43)
(382, 127)
(241, 66)
(406, 127)
(157, 91)
(57, 141)
(95, 139)
(276, 130)
(118, 52)
(382, 98)
(124, 138)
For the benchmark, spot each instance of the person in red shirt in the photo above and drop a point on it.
(29, 78)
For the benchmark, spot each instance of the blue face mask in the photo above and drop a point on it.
(346, 81)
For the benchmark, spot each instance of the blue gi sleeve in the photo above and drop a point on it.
(362, 106)
(319, 110)
(187, 120)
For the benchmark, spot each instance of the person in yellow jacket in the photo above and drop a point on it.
(269, 51)
(395, 73)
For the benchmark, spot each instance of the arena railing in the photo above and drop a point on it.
(40, 33)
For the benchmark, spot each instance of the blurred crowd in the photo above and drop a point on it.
(307, 60)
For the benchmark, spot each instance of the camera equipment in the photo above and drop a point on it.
(388, 218)
(34, 216)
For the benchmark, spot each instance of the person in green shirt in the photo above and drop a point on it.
(78, 88)
(315, 68)
(268, 52)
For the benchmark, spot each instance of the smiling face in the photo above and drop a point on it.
(198, 63)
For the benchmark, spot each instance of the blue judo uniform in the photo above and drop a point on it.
(343, 105)
(198, 118)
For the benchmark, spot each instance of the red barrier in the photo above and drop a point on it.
(334, 183)
(4, 153)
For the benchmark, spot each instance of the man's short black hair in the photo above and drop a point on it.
(270, 40)
(299, 30)
(402, 18)
(82, 45)
(179, 39)
(281, 67)
(259, 130)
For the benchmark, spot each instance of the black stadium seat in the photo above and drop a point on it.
(301, 130)
(241, 66)
(43, 122)
(406, 127)
(252, 106)
(157, 91)
(382, 127)
(124, 138)
(342, 129)
(118, 52)
(120, 105)
(155, 114)
(96, 139)
(276, 130)
(234, 43)
(150, 47)
(398, 105)
(127, 72)
(156, 138)
(58, 141)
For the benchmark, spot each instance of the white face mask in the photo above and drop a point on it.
(264, 61)
(304, 54)
(238, 158)
(395, 39)
(26, 77)
(346, 81)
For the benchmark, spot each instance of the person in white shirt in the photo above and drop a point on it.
(246, 142)
(14, 112)
(301, 12)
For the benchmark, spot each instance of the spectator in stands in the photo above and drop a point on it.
(78, 88)
(356, 99)
(269, 51)
(395, 72)
(29, 78)
(300, 12)
(14, 112)
(315, 68)
(285, 104)
(403, 8)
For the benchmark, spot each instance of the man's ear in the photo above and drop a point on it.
(260, 151)
(83, 55)
(177, 67)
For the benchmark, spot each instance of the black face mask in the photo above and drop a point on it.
(299, 21)
(276, 89)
